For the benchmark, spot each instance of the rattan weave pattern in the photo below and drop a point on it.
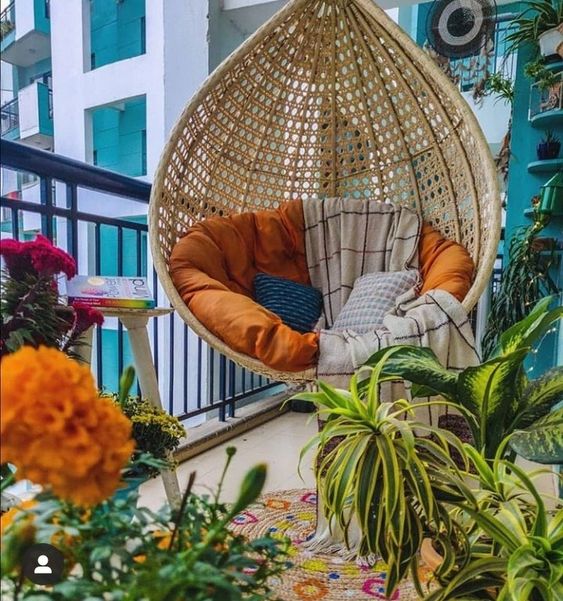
(329, 98)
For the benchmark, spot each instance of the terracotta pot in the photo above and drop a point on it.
(429, 556)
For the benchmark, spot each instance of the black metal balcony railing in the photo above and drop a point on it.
(84, 208)
(7, 20)
(9, 116)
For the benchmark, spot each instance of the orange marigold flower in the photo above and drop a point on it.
(57, 430)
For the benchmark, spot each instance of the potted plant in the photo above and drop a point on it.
(58, 432)
(542, 26)
(383, 488)
(522, 559)
(548, 147)
(496, 397)
(32, 310)
(155, 432)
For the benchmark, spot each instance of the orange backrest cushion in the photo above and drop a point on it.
(444, 264)
(213, 269)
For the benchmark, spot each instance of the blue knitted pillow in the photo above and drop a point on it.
(297, 305)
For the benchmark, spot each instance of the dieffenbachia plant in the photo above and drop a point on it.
(496, 397)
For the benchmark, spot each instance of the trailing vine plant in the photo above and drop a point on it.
(525, 281)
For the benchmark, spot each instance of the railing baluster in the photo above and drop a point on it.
(99, 340)
(120, 349)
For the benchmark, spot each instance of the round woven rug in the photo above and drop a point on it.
(314, 576)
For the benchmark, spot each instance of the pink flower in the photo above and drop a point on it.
(38, 256)
(85, 317)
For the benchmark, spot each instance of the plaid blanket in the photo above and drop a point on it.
(345, 239)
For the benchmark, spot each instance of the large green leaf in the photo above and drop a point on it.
(543, 441)
(488, 391)
(539, 397)
(419, 366)
(530, 329)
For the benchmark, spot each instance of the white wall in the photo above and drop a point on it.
(25, 17)
(493, 117)
(28, 101)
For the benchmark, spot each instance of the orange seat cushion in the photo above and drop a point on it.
(213, 268)
(214, 264)
(444, 264)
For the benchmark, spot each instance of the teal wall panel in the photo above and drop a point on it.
(523, 185)
(24, 76)
(45, 112)
(119, 137)
(41, 15)
(117, 30)
(110, 359)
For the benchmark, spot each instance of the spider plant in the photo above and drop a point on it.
(525, 560)
(394, 483)
(496, 397)
(539, 16)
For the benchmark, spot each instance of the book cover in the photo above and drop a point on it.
(110, 291)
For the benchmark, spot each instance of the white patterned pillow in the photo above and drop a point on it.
(372, 297)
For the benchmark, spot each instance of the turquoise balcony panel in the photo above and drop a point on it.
(29, 40)
(117, 30)
(119, 137)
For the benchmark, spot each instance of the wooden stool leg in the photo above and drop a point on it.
(140, 346)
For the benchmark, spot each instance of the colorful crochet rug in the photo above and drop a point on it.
(314, 576)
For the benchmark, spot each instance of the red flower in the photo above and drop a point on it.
(16, 257)
(38, 256)
(50, 260)
(85, 317)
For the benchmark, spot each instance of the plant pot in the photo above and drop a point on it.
(429, 556)
(550, 42)
(548, 150)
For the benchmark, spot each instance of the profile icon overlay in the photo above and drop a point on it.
(43, 564)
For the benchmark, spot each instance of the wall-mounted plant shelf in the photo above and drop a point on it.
(555, 66)
(546, 166)
(547, 119)
(530, 213)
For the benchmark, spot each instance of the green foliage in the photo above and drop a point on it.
(155, 431)
(501, 87)
(538, 17)
(542, 442)
(31, 313)
(496, 397)
(525, 557)
(392, 481)
(119, 551)
(525, 281)
(544, 77)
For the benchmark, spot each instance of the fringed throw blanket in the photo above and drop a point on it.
(345, 239)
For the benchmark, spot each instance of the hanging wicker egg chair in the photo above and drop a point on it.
(329, 98)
